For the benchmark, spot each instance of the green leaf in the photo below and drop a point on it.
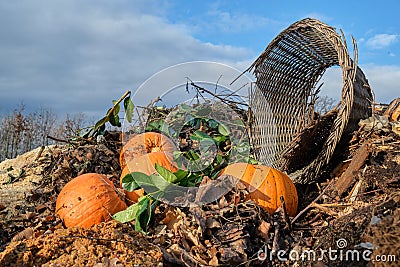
(151, 184)
(178, 157)
(180, 175)
(191, 155)
(143, 214)
(152, 126)
(159, 182)
(184, 108)
(117, 107)
(213, 124)
(144, 181)
(10, 168)
(85, 132)
(114, 120)
(158, 125)
(253, 161)
(224, 130)
(129, 183)
(128, 106)
(220, 138)
(219, 159)
(128, 214)
(166, 174)
(11, 178)
(199, 135)
(100, 123)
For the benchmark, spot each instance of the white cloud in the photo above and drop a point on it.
(75, 56)
(224, 21)
(318, 16)
(217, 19)
(380, 41)
(384, 80)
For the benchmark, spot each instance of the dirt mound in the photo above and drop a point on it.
(354, 207)
(107, 244)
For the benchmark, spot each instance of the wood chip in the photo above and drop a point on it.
(346, 180)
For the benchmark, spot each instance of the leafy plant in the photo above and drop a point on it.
(157, 186)
(112, 116)
(208, 148)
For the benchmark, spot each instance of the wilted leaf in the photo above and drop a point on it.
(263, 230)
(106, 262)
(11, 178)
(24, 234)
(172, 220)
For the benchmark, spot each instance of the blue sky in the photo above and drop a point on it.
(252, 24)
(76, 56)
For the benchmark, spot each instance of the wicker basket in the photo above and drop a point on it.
(285, 131)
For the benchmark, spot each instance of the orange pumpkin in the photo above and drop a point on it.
(87, 200)
(266, 185)
(144, 143)
(146, 164)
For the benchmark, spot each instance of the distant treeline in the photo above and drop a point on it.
(21, 132)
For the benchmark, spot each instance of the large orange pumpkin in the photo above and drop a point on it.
(144, 143)
(87, 200)
(146, 164)
(266, 185)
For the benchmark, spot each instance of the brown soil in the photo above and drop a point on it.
(229, 232)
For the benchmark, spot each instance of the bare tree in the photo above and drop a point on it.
(324, 103)
(20, 132)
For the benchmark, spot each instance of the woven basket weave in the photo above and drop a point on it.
(283, 133)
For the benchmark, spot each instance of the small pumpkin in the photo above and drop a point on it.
(144, 143)
(146, 164)
(266, 185)
(87, 200)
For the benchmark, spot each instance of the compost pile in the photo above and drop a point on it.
(356, 201)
